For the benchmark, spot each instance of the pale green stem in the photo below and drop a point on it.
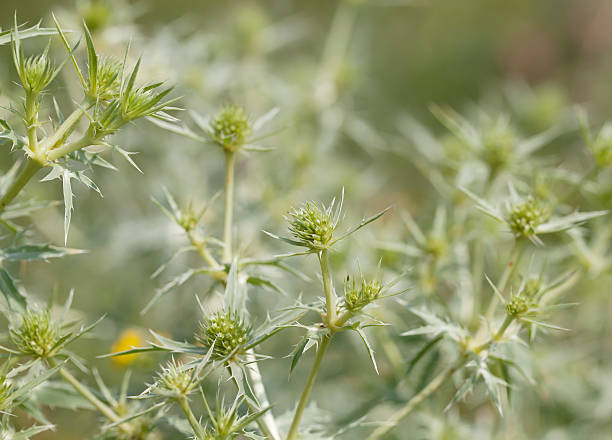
(31, 121)
(66, 149)
(104, 409)
(31, 167)
(230, 160)
(65, 128)
(312, 376)
(200, 245)
(435, 383)
(328, 288)
(508, 271)
(195, 425)
(416, 400)
(268, 425)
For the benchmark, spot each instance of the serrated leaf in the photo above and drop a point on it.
(368, 348)
(32, 252)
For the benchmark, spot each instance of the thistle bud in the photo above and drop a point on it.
(518, 305)
(526, 216)
(36, 73)
(108, 79)
(356, 296)
(231, 127)
(37, 335)
(311, 225)
(174, 381)
(226, 330)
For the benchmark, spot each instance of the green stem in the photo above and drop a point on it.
(200, 245)
(299, 412)
(416, 400)
(508, 271)
(268, 425)
(104, 409)
(436, 383)
(230, 159)
(31, 167)
(195, 425)
(66, 149)
(31, 121)
(63, 130)
(328, 288)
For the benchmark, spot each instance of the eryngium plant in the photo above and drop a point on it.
(457, 335)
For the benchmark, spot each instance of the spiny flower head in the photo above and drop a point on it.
(108, 79)
(227, 330)
(230, 127)
(524, 217)
(174, 380)
(37, 334)
(519, 304)
(358, 295)
(312, 225)
(36, 72)
(436, 246)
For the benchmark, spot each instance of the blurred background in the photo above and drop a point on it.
(345, 78)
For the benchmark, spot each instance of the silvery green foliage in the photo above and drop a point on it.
(487, 294)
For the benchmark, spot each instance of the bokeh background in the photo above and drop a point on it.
(343, 95)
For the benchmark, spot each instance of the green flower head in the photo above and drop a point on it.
(312, 225)
(226, 330)
(38, 334)
(357, 295)
(524, 217)
(230, 127)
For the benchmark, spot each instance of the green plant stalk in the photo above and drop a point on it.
(66, 149)
(435, 383)
(195, 425)
(65, 128)
(31, 121)
(31, 167)
(330, 296)
(508, 271)
(312, 376)
(429, 389)
(230, 161)
(104, 409)
(200, 246)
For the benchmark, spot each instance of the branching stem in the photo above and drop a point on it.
(193, 422)
(312, 376)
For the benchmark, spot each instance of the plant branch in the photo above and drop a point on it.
(312, 376)
(195, 425)
(230, 160)
(104, 409)
(330, 295)
(31, 167)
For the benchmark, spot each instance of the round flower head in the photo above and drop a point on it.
(357, 296)
(174, 380)
(226, 330)
(518, 305)
(526, 216)
(311, 225)
(108, 79)
(37, 334)
(36, 73)
(230, 127)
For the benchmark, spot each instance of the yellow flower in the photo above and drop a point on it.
(127, 339)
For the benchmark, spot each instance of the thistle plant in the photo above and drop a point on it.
(454, 310)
